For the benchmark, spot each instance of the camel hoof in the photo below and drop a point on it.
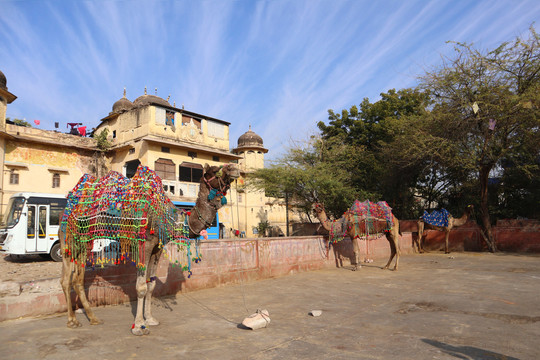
(140, 330)
(73, 324)
(95, 321)
(152, 322)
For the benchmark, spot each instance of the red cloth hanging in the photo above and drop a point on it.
(82, 130)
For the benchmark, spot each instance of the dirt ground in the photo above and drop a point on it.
(467, 306)
(28, 268)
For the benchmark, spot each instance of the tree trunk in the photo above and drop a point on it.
(484, 211)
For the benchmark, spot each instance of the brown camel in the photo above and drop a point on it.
(213, 186)
(346, 225)
(452, 223)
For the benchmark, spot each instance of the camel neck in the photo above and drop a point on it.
(324, 220)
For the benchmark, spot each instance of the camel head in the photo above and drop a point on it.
(214, 185)
(318, 208)
(220, 177)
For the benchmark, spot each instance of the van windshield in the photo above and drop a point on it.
(14, 210)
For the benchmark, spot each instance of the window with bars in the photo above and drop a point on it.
(56, 180)
(14, 178)
(165, 169)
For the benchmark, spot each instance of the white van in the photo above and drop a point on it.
(31, 224)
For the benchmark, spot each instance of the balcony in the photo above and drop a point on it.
(181, 190)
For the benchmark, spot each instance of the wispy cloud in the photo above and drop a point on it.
(277, 65)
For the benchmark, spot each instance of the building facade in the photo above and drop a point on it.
(174, 142)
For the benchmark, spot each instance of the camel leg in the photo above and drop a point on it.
(67, 281)
(337, 256)
(420, 237)
(446, 251)
(78, 285)
(356, 250)
(393, 239)
(151, 284)
(139, 327)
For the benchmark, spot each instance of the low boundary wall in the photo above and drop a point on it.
(513, 235)
(225, 261)
(229, 261)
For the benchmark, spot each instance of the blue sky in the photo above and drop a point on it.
(277, 65)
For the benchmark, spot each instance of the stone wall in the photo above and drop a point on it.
(226, 261)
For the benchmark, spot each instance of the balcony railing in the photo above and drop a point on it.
(180, 188)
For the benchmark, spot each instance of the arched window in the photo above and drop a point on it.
(165, 169)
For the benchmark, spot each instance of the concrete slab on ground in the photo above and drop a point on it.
(462, 305)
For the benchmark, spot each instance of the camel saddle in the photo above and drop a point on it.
(371, 218)
(436, 217)
(121, 210)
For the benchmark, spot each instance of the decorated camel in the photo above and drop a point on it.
(442, 221)
(362, 221)
(137, 215)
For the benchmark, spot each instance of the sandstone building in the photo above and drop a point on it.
(174, 142)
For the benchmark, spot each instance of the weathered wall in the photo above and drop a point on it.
(229, 261)
(224, 262)
(510, 235)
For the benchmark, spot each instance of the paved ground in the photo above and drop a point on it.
(471, 306)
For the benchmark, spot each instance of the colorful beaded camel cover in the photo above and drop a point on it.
(338, 230)
(369, 218)
(436, 218)
(120, 211)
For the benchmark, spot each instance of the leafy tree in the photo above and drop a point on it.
(485, 115)
(304, 175)
(369, 160)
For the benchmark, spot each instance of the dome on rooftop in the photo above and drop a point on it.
(250, 140)
(122, 105)
(150, 100)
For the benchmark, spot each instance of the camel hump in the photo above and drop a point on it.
(121, 210)
(436, 217)
(370, 210)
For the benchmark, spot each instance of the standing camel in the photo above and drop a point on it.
(355, 227)
(445, 226)
(136, 213)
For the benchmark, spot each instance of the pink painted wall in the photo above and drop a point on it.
(510, 236)
(243, 260)
(224, 262)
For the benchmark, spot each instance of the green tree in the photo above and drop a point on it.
(485, 115)
(103, 143)
(20, 122)
(367, 134)
(307, 174)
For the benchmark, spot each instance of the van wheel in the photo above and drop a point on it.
(56, 252)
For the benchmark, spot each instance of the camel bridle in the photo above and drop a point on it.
(221, 190)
